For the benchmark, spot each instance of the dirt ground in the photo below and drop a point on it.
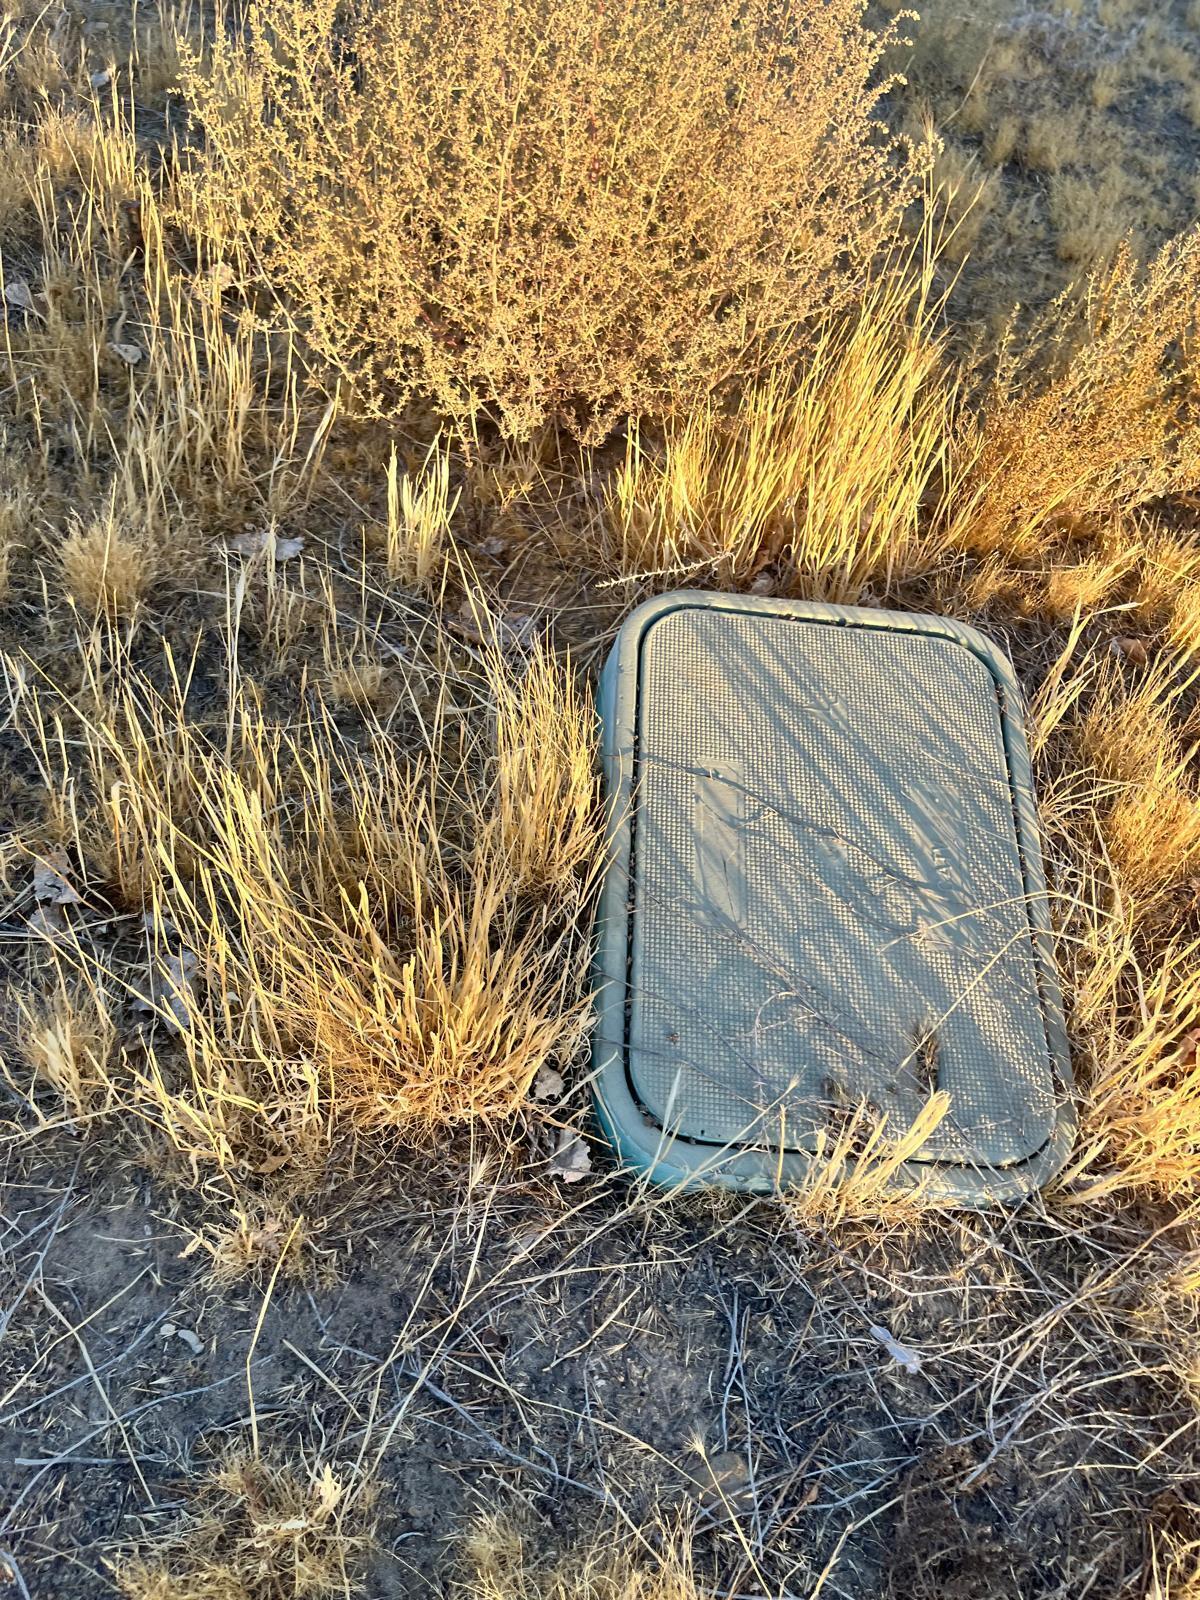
(569, 1355)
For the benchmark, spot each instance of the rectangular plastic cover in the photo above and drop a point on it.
(825, 891)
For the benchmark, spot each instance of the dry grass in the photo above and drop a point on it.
(500, 1561)
(419, 512)
(1073, 107)
(545, 802)
(68, 1041)
(817, 481)
(463, 213)
(855, 1167)
(262, 1531)
(333, 929)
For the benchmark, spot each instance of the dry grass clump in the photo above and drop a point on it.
(818, 481)
(1140, 1128)
(1123, 821)
(334, 929)
(263, 1531)
(106, 568)
(855, 1167)
(419, 511)
(258, 1241)
(1147, 802)
(1093, 414)
(153, 407)
(67, 1038)
(499, 1562)
(568, 213)
(545, 802)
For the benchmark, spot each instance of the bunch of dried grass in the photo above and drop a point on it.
(334, 929)
(1091, 414)
(263, 1530)
(818, 481)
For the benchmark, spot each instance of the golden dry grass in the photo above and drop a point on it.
(817, 481)
(261, 1531)
(855, 1168)
(368, 934)
(499, 1560)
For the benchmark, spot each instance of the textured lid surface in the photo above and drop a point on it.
(828, 892)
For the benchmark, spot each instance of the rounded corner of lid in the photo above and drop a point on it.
(647, 612)
(988, 650)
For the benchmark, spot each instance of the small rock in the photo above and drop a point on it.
(725, 1482)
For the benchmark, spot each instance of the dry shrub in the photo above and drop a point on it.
(1095, 413)
(569, 212)
(818, 481)
(263, 1530)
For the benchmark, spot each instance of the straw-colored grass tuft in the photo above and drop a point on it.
(261, 1530)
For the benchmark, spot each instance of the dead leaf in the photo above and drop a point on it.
(273, 1163)
(18, 294)
(900, 1353)
(259, 540)
(548, 1085)
(51, 883)
(571, 1160)
(477, 623)
(130, 354)
(48, 922)
(172, 986)
(1131, 650)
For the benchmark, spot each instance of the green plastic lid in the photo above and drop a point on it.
(825, 890)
